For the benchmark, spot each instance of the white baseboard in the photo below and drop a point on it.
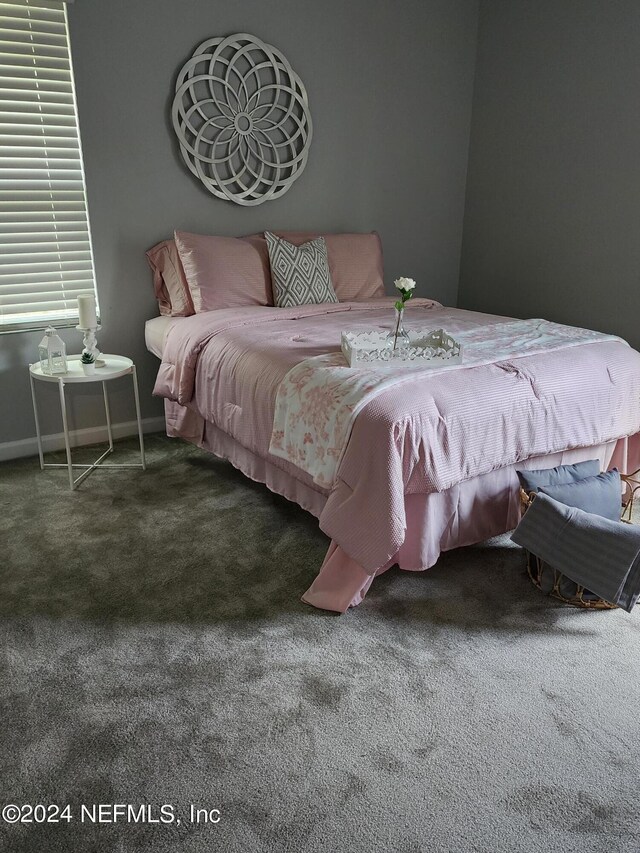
(77, 437)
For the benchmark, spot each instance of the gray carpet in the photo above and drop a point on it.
(155, 651)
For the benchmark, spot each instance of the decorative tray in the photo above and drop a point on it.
(427, 348)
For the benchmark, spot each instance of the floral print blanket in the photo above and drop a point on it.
(319, 399)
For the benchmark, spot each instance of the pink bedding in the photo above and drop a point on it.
(418, 438)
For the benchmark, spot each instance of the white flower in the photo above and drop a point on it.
(406, 284)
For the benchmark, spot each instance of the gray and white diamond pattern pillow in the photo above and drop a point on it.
(300, 274)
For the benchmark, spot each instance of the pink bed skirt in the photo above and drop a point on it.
(469, 512)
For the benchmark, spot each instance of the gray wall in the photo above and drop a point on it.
(552, 223)
(390, 87)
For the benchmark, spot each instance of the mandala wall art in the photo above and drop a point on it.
(242, 119)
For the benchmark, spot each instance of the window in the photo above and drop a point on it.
(45, 245)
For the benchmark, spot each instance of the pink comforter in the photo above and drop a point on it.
(418, 437)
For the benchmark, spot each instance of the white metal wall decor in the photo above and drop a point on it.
(242, 118)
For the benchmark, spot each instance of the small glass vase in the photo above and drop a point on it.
(398, 338)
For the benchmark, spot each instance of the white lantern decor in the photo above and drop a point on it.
(53, 353)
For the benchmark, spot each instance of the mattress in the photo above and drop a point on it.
(154, 332)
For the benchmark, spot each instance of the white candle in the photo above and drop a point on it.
(87, 311)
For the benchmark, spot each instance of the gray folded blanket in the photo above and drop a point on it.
(601, 555)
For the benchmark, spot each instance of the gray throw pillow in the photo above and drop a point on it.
(601, 495)
(531, 481)
(299, 274)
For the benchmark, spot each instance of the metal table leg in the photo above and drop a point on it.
(65, 427)
(37, 419)
(137, 398)
(108, 415)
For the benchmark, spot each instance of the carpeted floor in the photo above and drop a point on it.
(155, 651)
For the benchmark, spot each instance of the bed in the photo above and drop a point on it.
(429, 461)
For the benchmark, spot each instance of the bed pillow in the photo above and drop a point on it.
(299, 274)
(531, 481)
(224, 272)
(601, 495)
(355, 261)
(169, 281)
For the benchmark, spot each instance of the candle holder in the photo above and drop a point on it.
(91, 344)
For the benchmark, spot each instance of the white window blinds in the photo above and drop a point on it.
(45, 245)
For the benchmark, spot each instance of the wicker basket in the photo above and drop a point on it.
(552, 582)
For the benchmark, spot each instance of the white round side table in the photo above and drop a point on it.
(114, 367)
